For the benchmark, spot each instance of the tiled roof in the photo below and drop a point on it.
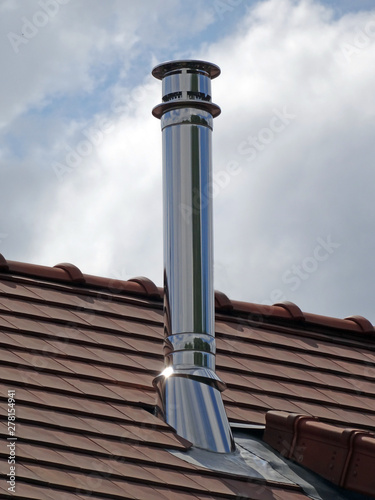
(345, 457)
(81, 352)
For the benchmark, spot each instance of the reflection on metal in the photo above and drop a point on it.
(189, 391)
(246, 427)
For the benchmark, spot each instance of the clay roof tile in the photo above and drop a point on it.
(363, 323)
(74, 274)
(81, 352)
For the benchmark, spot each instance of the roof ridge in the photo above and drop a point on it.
(281, 311)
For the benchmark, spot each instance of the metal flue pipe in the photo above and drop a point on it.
(189, 390)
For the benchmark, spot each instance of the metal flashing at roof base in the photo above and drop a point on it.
(189, 389)
(256, 461)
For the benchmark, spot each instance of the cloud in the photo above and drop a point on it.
(108, 209)
(63, 77)
(312, 179)
(82, 157)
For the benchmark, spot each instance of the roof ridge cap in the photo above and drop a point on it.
(289, 311)
(74, 273)
(4, 266)
(285, 311)
(69, 273)
(364, 324)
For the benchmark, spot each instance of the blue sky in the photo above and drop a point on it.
(80, 154)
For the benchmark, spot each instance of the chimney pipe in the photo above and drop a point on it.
(189, 390)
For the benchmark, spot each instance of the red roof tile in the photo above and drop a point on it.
(82, 351)
(345, 457)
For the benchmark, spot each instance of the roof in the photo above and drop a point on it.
(80, 353)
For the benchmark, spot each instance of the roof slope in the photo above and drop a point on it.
(81, 352)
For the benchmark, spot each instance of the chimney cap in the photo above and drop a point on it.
(162, 69)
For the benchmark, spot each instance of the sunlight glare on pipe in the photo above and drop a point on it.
(167, 372)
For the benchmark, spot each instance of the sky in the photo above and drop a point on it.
(293, 150)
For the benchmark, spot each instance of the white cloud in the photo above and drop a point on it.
(306, 178)
(109, 200)
(307, 182)
(50, 51)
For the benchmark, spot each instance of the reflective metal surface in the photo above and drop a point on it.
(186, 81)
(170, 67)
(190, 389)
(192, 359)
(186, 115)
(195, 409)
(202, 374)
(191, 341)
(188, 228)
(187, 86)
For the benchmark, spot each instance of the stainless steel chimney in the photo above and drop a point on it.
(189, 389)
